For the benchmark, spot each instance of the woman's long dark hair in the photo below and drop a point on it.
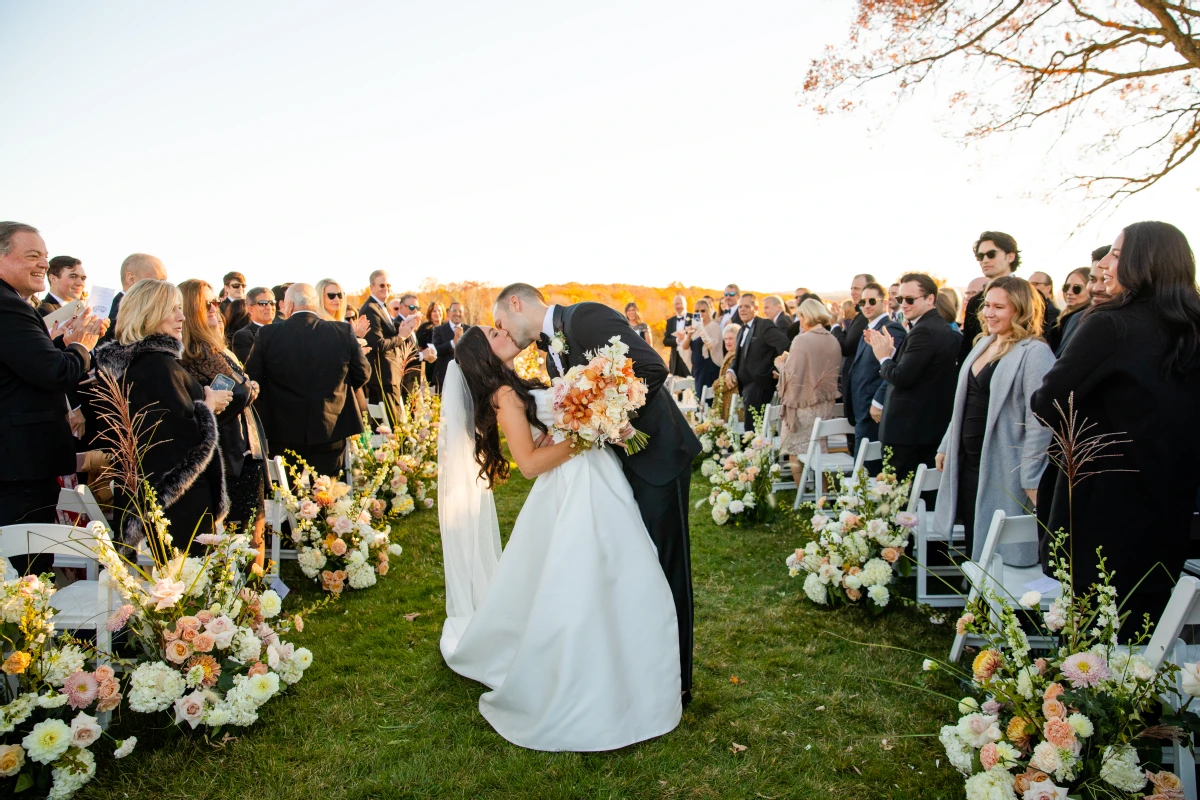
(1156, 265)
(1069, 312)
(485, 375)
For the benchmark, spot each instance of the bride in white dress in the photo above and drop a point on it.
(573, 629)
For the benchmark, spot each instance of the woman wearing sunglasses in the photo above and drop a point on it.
(1078, 299)
(334, 306)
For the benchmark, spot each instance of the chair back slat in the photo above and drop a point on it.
(37, 539)
(868, 451)
(1182, 609)
(80, 500)
(836, 426)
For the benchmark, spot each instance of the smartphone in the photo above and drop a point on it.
(697, 318)
(222, 383)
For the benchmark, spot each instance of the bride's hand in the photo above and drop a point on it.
(545, 440)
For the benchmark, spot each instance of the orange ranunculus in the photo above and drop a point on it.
(986, 664)
(17, 663)
(1018, 732)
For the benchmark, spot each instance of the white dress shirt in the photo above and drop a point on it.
(548, 329)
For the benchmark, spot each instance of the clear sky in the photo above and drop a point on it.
(623, 142)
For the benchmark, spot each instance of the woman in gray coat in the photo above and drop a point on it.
(994, 452)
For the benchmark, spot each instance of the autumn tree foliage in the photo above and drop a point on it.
(1120, 77)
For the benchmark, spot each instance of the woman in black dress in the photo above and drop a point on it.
(1133, 367)
(242, 441)
(180, 460)
(1078, 299)
(434, 316)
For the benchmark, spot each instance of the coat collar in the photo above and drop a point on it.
(116, 358)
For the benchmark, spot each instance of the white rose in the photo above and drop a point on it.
(1031, 599)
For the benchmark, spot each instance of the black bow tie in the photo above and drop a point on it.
(543, 343)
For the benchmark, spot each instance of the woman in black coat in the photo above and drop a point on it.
(179, 434)
(1133, 366)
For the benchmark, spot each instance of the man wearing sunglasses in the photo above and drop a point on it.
(386, 338)
(261, 307)
(863, 382)
(235, 289)
(998, 256)
(729, 304)
(921, 374)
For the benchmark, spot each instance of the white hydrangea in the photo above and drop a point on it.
(995, 784)
(311, 561)
(1121, 769)
(18, 711)
(1025, 683)
(737, 507)
(58, 664)
(70, 777)
(815, 590)
(155, 686)
(879, 594)
(957, 751)
(361, 575)
(876, 571)
(246, 646)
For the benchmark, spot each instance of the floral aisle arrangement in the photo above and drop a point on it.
(47, 735)
(741, 481)
(208, 631)
(860, 541)
(336, 544)
(1080, 722)
(717, 438)
(408, 458)
(595, 403)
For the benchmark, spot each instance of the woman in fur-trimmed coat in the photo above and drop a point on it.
(180, 460)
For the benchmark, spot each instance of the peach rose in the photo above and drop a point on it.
(178, 652)
(103, 673)
(188, 634)
(960, 627)
(204, 642)
(187, 622)
(1052, 691)
(12, 758)
(338, 548)
(170, 635)
(890, 555)
(1026, 779)
(1166, 783)
(382, 569)
(204, 616)
(257, 668)
(854, 594)
(1053, 709)
(108, 695)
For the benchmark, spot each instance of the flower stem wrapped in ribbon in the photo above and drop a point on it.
(595, 403)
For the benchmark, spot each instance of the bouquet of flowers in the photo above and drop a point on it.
(335, 543)
(212, 653)
(594, 403)
(46, 732)
(859, 542)
(717, 438)
(407, 479)
(741, 482)
(1079, 721)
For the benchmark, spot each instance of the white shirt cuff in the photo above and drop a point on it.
(885, 358)
(877, 404)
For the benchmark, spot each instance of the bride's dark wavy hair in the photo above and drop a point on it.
(485, 374)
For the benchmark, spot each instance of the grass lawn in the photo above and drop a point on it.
(380, 715)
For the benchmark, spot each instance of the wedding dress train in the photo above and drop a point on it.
(573, 630)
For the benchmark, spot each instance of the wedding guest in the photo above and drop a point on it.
(308, 369)
(673, 337)
(35, 374)
(800, 294)
(68, 280)
(280, 292)
(759, 344)
(794, 329)
(335, 308)
(241, 440)
(723, 389)
(434, 317)
(446, 338)
(396, 308)
(134, 268)
(235, 316)
(729, 304)
(973, 288)
(998, 256)
(808, 381)
(701, 350)
(994, 451)
(852, 321)
(180, 461)
(773, 309)
(1097, 288)
(261, 309)
(637, 323)
(920, 373)
(864, 384)
(1132, 372)
(234, 288)
(1045, 287)
(948, 306)
(1077, 299)
(388, 341)
(894, 309)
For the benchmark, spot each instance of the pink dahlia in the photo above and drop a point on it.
(119, 618)
(1085, 670)
(81, 689)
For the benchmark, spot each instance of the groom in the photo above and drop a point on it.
(660, 474)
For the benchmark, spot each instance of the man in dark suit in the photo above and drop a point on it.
(389, 343)
(445, 338)
(36, 443)
(308, 369)
(280, 292)
(261, 306)
(773, 309)
(922, 376)
(235, 289)
(864, 384)
(660, 474)
(759, 343)
(675, 325)
(67, 282)
(134, 268)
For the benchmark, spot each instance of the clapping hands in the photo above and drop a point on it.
(881, 343)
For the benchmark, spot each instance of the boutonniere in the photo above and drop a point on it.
(558, 344)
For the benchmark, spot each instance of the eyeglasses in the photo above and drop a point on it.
(1072, 288)
(731, 294)
(988, 254)
(413, 308)
(870, 300)
(270, 303)
(335, 295)
(908, 301)
(235, 285)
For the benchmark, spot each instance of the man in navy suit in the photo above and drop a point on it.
(863, 382)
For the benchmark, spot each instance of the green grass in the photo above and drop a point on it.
(380, 715)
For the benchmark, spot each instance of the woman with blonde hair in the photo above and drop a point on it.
(702, 350)
(637, 323)
(808, 380)
(722, 392)
(994, 451)
(948, 306)
(242, 441)
(179, 458)
(335, 307)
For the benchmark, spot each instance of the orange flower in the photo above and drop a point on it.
(1059, 732)
(178, 652)
(890, 554)
(257, 668)
(16, 663)
(323, 498)
(188, 634)
(1053, 709)
(1052, 691)
(1018, 732)
(986, 664)
(212, 670)
(1026, 780)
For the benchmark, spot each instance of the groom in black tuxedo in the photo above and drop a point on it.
(660, 475)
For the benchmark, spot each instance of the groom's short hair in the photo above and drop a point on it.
(521, 290)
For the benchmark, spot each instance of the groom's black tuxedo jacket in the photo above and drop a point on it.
(589, 326)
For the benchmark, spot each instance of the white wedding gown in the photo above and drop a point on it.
(575, 632)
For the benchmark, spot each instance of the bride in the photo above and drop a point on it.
(573, 629)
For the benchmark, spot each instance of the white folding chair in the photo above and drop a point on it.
(706, 396)
(817, 463)
(378, 413)
(736, 406)
(867, 451)
(82, 502)
(1006, 582)
(681, 385)
(276, 513)
(927, 480)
